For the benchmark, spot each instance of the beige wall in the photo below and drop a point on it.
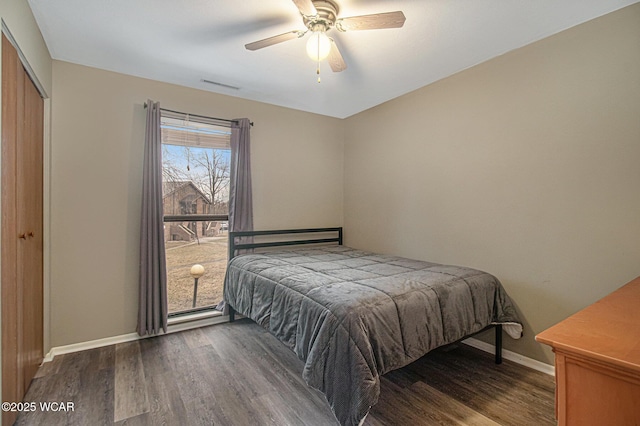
(98, 135)
(525, 166)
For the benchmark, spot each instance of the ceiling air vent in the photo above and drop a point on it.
(215, 83)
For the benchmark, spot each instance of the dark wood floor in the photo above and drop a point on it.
(238, 374)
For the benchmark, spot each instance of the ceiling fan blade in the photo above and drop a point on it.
(372, 22)
(336, 62)
(272, 40)
(306, 7)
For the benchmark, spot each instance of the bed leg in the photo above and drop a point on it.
(499, 344)
(232, 314)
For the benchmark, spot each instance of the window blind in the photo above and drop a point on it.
(185, 130)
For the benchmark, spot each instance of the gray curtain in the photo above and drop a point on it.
(152, 308)
(240, 193)
(240, 198)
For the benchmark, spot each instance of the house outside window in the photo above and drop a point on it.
(196, 164)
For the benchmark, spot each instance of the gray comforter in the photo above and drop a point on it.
(353, 316)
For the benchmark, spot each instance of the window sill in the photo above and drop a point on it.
(198, 316)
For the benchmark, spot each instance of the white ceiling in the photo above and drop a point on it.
(186, 41)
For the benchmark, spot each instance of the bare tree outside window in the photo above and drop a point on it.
(208, 169)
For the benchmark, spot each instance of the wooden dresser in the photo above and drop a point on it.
(598, 361)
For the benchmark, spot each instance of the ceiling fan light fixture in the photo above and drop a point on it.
(318, 46)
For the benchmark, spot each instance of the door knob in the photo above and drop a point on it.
(22, 236)
(30, 234)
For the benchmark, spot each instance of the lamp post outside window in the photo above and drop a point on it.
(196, 272)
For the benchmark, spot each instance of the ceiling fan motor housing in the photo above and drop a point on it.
(326, 17)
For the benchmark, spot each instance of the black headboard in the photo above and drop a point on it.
(235, 246)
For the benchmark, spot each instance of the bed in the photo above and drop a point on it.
(352, 315)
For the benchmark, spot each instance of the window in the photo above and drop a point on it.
(195, 164)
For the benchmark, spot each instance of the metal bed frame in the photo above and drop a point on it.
(234, 247)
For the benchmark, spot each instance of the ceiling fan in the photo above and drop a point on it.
(321, 16)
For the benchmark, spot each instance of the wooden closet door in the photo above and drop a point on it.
(29, 191)
(12, 380)
(22, 244)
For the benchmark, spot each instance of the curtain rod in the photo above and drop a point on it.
(200, 116)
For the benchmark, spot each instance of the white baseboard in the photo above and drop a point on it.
(512, 356)
(173, 327)
(181, 326)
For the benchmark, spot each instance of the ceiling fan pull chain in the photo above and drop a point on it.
(318, 70)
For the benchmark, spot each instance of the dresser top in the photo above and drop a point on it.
(608, 330)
